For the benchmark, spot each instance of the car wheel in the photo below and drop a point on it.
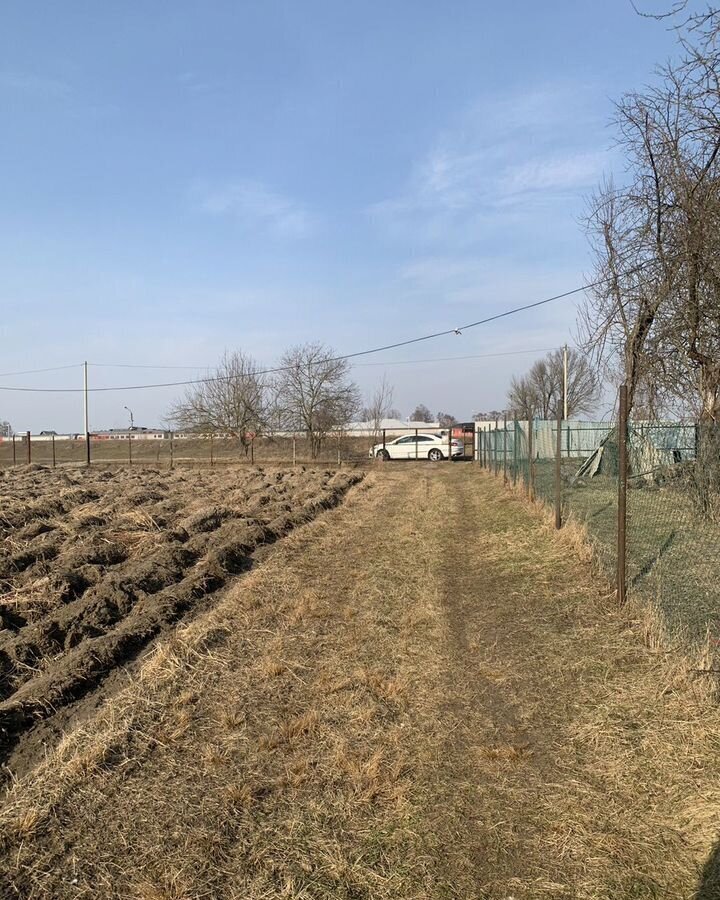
(435, 454)
(382, 454)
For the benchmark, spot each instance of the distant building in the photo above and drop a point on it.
(390, 427)
(5, 430)
(135, 433)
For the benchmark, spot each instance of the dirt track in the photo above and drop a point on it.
(422, 694)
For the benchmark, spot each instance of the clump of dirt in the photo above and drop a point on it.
(94, 565)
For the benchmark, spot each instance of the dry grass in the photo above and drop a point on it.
(455, 712)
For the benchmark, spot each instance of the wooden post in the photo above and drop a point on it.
(515, 452)
(622, 430)
(558, 472)
(52, 437)
(28, 449)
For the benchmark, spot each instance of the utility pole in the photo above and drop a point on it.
(565, 382)
(85, 405)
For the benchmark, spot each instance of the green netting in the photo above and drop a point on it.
(673, 506)
(673, 543)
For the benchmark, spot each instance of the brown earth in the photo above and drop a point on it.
(424, 693)
(94, 565)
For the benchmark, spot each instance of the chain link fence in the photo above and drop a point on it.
(665, 548)
(170, 448)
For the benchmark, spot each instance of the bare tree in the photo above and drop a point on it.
(656, 317)
(314, 393)
(523, 399)
(232, 399)
(421, 414)
(446, 420)
(541, 391)
(380, 406)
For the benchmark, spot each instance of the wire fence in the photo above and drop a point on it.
(170, 448)
(654, 522)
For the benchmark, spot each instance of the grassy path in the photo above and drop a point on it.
(419, 695)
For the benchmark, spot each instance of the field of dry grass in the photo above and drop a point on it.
(204, 451)
(422, 693)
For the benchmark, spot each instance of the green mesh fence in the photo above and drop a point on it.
(673, 519)
(673, 540)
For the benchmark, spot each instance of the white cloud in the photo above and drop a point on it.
(255, 205)
(33, 85)
(503, 158)
(574, 170)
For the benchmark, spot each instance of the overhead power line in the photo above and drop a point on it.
(346, 356)
(36, 371)
(392, 362)
(434, 359)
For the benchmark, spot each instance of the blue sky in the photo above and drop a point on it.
(181, 177)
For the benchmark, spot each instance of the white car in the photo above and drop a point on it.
(421, 446)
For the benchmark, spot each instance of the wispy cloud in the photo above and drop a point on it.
(194, 83)
(500, 158)
(32, 85)
(255, 205)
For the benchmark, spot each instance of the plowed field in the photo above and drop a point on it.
(93, 565)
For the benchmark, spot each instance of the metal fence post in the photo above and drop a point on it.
(172, 451)
(505, 478)
(515, 452)
(87, 448)
(416, 443)
(383, 439)
(497, 448)
(558, 471)
(449, 443)
(14, 451)
(129, 450)
(531, 472)
(294, 450)
(212, 458)
(52, 438)
(252, 449)
(28, 449)
(622, 496)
